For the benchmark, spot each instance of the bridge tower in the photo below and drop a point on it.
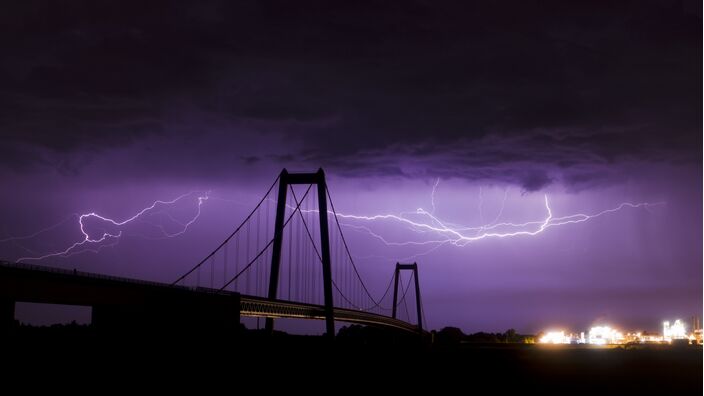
(286, 179)
(411, 267)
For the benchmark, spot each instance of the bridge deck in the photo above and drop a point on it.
(33, 283)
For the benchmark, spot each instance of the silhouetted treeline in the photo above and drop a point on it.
(59, 329)
(369, 335)
(453, 335)
(353, 334)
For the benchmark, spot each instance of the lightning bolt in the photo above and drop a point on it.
(461, 236)
(440, 232)
(43, 230)
(432, 194)
(95, 243)
(448, 233)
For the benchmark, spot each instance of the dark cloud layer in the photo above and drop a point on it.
(519, 92)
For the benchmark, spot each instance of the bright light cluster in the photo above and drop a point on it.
(675, 331)
(602, 335)
(555, 337)
(606, 335)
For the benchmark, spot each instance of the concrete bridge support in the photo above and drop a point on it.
(7, 315)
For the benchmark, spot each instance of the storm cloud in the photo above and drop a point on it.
(541, 94)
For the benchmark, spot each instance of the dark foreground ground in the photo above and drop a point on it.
(298, 364)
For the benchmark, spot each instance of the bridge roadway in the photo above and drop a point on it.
(118, 302)
(261, 307)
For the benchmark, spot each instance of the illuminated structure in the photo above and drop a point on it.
(554, 337)
(644, 338)
(633, 337)
(696, 336)
(674, 331)
(601, 335)
(605, 335)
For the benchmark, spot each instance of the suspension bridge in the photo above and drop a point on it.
(287, 259)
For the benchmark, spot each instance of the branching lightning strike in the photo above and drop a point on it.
(463, 235)
(443, 232)
(96, 243)
(436, 232)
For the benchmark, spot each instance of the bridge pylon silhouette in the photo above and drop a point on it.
(285, 180)
(414, 268)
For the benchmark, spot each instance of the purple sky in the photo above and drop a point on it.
(107, 107)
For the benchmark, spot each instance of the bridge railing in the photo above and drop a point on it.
(93, 275)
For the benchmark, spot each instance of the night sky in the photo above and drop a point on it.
(107, 106)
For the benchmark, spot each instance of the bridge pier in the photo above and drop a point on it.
(120, 306)
(7, 315)
(171, 314)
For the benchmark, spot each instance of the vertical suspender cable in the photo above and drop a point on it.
(237, 265)
(224, 266)
(290, 255)
(212, 271)
(259, 267)
(249, 275)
